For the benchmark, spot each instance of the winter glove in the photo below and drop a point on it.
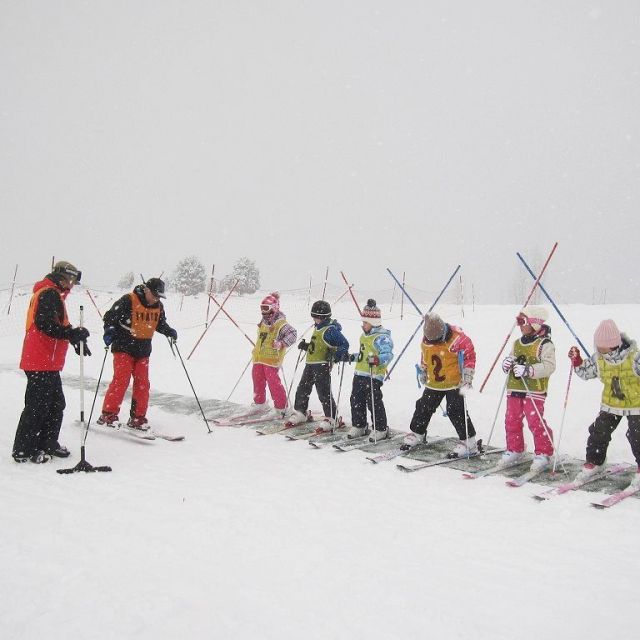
(278, 344)
(522, 371)
(575, 357)
(85, 348)
(109, 335)
(351, 357)
(303, 345)
(173, 334)
(373, 361)
(76, 335)
(464, 389)
(507, 364)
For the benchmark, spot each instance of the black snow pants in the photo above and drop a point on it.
(41, 419)
(361, 401)
(320, 376)
(600, 435)
(430, 401)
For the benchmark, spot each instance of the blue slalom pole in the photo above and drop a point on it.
(555, 306)
(435, 302)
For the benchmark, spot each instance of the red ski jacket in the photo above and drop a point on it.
(45, 342)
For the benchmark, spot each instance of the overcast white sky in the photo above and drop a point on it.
(361, 134)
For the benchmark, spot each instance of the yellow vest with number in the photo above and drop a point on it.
(368, 348)
(319, 350)
(264, 352)
(531, 354)
(628, 382)
(441, 364)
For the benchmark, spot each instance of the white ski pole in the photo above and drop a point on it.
(495, 417)
(564, 413)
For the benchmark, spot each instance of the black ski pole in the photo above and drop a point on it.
(174, 345)
(83, 465)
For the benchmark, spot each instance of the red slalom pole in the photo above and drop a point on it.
(93, 301)
(235, 284)
(350, 289)
(232, 320)
(513, 326)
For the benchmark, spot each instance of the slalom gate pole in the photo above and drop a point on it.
(253, 344)
(543, 421)
(350, 288)
(246, 366)
(13, 286)
(93, 302)
(564, 413)
(83, 465)
(195, 346)
(513, 326)
(326, 277)
(174, 344)
(554, 305)
(435, 302)
(95, 395)
(337, 416)
(206, 322)
(495, 417)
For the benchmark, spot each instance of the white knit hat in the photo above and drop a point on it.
(535, 316)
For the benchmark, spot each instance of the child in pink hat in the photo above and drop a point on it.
(275, 335)
(617, 363)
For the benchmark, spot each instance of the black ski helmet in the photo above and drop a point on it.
(320, 309)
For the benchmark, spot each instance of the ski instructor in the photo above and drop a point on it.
(47, 338)
(128, 328)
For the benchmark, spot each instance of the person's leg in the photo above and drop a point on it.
(259, 383)
(543, 445)
(141, 386)
(276, 388)
(425, 408)
(38, 398)
(513, 423)
(600, 436)
(456, 412)
(122, 370)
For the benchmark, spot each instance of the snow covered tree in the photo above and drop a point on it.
(126, 280)
(189, 276)
(247, 274)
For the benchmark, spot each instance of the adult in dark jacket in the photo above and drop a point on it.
(47, 337)
(128, 328)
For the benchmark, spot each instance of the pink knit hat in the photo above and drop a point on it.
(607, 335)
(272, 301)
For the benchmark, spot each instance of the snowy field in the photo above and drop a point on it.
(233, 536)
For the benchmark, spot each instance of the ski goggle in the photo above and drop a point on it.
(521, 320)
(266, 308)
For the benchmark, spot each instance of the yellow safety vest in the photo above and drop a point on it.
(263, 352)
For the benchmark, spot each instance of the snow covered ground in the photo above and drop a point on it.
(233, 536)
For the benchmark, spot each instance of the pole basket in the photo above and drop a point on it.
(83, 465)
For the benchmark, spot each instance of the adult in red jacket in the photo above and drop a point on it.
(47, 337)
(128, 328)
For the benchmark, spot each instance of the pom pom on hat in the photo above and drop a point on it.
(434, 327)
(371, 314)
(607, 335)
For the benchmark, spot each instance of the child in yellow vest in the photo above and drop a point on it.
(617, 364)
(372, 360)
(275, 336)
(529, 366)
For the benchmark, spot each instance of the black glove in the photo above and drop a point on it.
(85, 348)
(76, 335)
(303, 345)
(351, 357)
(109, 335)
(173, 334)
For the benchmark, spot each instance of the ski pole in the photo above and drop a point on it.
(422, 318)
(173, 344)
(195, 346)
(95, 395)
(373, 406)
(513, 326)
(464, 398)
(542, 420)
(554, 305)
(495, 417)
(240, 378)
(564, 413)
(337, 417)
(293, 377)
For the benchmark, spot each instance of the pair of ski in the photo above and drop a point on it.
(449, 458)
(139, 434)
(609, 501)
(246, 419)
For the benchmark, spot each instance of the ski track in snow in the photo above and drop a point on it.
(231, 535)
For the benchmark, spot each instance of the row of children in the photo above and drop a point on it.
(447, 367)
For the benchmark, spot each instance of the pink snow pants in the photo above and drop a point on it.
(519, 407)
(264, 375)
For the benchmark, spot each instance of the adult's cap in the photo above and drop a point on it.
(156, 286)
(67, 270)
(320, 309)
